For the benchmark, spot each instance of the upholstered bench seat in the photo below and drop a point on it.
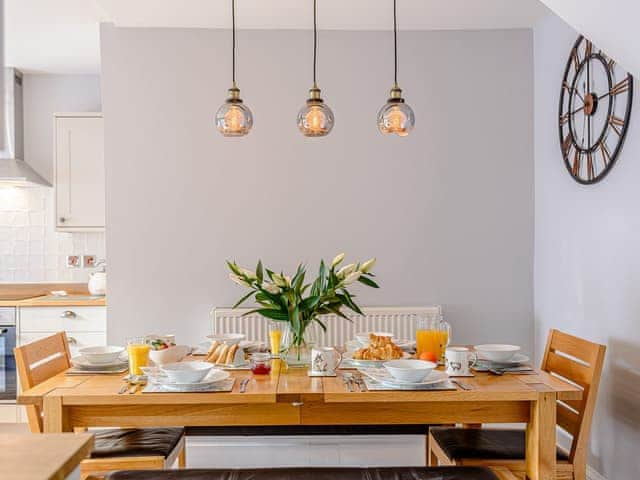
(483, 443)
(400, 473)
(136, 442)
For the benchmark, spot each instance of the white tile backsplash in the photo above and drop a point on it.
(30, 248)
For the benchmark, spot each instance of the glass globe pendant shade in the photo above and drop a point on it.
(233, 118)
(315, 118)
(396, 117)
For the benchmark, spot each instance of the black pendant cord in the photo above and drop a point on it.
(233, 39)
(395, 46)
(315, 40)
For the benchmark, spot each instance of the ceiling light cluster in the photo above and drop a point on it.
(315, 118)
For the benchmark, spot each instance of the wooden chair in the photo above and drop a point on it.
(114, 449)
(570, 358)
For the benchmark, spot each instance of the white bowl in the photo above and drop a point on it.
(363, 337)
(101, 355)
(186, 372)
(169, 355)
(412, 371)
(496, 352)
(228, 338)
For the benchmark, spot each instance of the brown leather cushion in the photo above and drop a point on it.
(459, 443)
(399, 473)
(136, 442)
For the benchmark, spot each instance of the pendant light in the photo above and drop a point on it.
(234, 119)
(315, 118)
(396, 117)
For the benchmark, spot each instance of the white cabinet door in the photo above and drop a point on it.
(79, 172)
(69, 319)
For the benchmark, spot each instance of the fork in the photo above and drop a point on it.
(243, 385)
(348, 381)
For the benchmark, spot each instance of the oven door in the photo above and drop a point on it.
(8, 376)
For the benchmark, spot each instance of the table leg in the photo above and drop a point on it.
(55, 419)
(541, 437)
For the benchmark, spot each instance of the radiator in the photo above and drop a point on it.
(399, 320)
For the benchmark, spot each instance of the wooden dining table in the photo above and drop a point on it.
(290, 397)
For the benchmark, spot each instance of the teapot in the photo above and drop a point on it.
(98, 279)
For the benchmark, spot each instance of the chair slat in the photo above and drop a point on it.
(48, 369)
(569, 369)
(573, 346)
(567, 419)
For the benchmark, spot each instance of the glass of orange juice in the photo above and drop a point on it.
(432, 335)
(275, 338)
(138, 351)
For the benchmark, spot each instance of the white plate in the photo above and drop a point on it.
(228, 338)
(214, 376)
(368, 363)
(516, 360)
(382, 376)
(406, 345)
(83, 363)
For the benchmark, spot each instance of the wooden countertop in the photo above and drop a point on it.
(39, 295)
(50, 456)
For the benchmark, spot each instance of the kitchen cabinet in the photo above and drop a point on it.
(79, 172)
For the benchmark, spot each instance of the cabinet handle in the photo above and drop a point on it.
(297, 404)
(62, 219)
(72, 341)
(68, 314)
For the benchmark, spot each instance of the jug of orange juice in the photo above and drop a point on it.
(432, 335)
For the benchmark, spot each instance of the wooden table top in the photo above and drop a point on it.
(39, 295)
(57, 454)
(294, 385)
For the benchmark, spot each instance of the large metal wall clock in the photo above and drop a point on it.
(595, 106)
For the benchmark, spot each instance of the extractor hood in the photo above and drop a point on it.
(14, 171)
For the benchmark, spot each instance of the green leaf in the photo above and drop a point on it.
(309, 303)
(242, 300)
(321, 323)
(368, 282)
(270, 313)
(339, 313)
(259, 271)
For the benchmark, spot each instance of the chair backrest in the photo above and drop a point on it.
(399, 320)
(580, 362)
(38, 361)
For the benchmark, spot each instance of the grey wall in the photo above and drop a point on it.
(448, 211)
(587, 265)
(45, 95)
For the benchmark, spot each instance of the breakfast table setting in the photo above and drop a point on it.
(374, 379)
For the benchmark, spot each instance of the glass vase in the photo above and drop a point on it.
(298, 346)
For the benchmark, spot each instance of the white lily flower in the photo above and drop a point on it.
(239, 280)
(287, 279)
(368, 265)
(352, 277)
(271, 288)
(346, 270)
(337, 260)
(279, 280)
(249, 274)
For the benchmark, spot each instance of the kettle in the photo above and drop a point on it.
(98, 279)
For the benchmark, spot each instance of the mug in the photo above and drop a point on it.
(325, 360)
(459, 360)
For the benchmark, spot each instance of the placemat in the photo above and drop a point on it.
(374, 385)
(78, 371)
(223, 386)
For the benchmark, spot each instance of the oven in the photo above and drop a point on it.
(8, 375)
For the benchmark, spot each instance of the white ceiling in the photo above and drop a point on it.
(62, 36)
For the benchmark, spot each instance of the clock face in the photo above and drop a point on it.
(595, 106)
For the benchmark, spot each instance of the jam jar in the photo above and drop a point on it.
(260, 363)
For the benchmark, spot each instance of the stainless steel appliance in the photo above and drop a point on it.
(8, 374)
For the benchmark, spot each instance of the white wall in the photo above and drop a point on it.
(587, 265)
(44, 95)
(448, 211)
(30, 248)
(610, 24)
